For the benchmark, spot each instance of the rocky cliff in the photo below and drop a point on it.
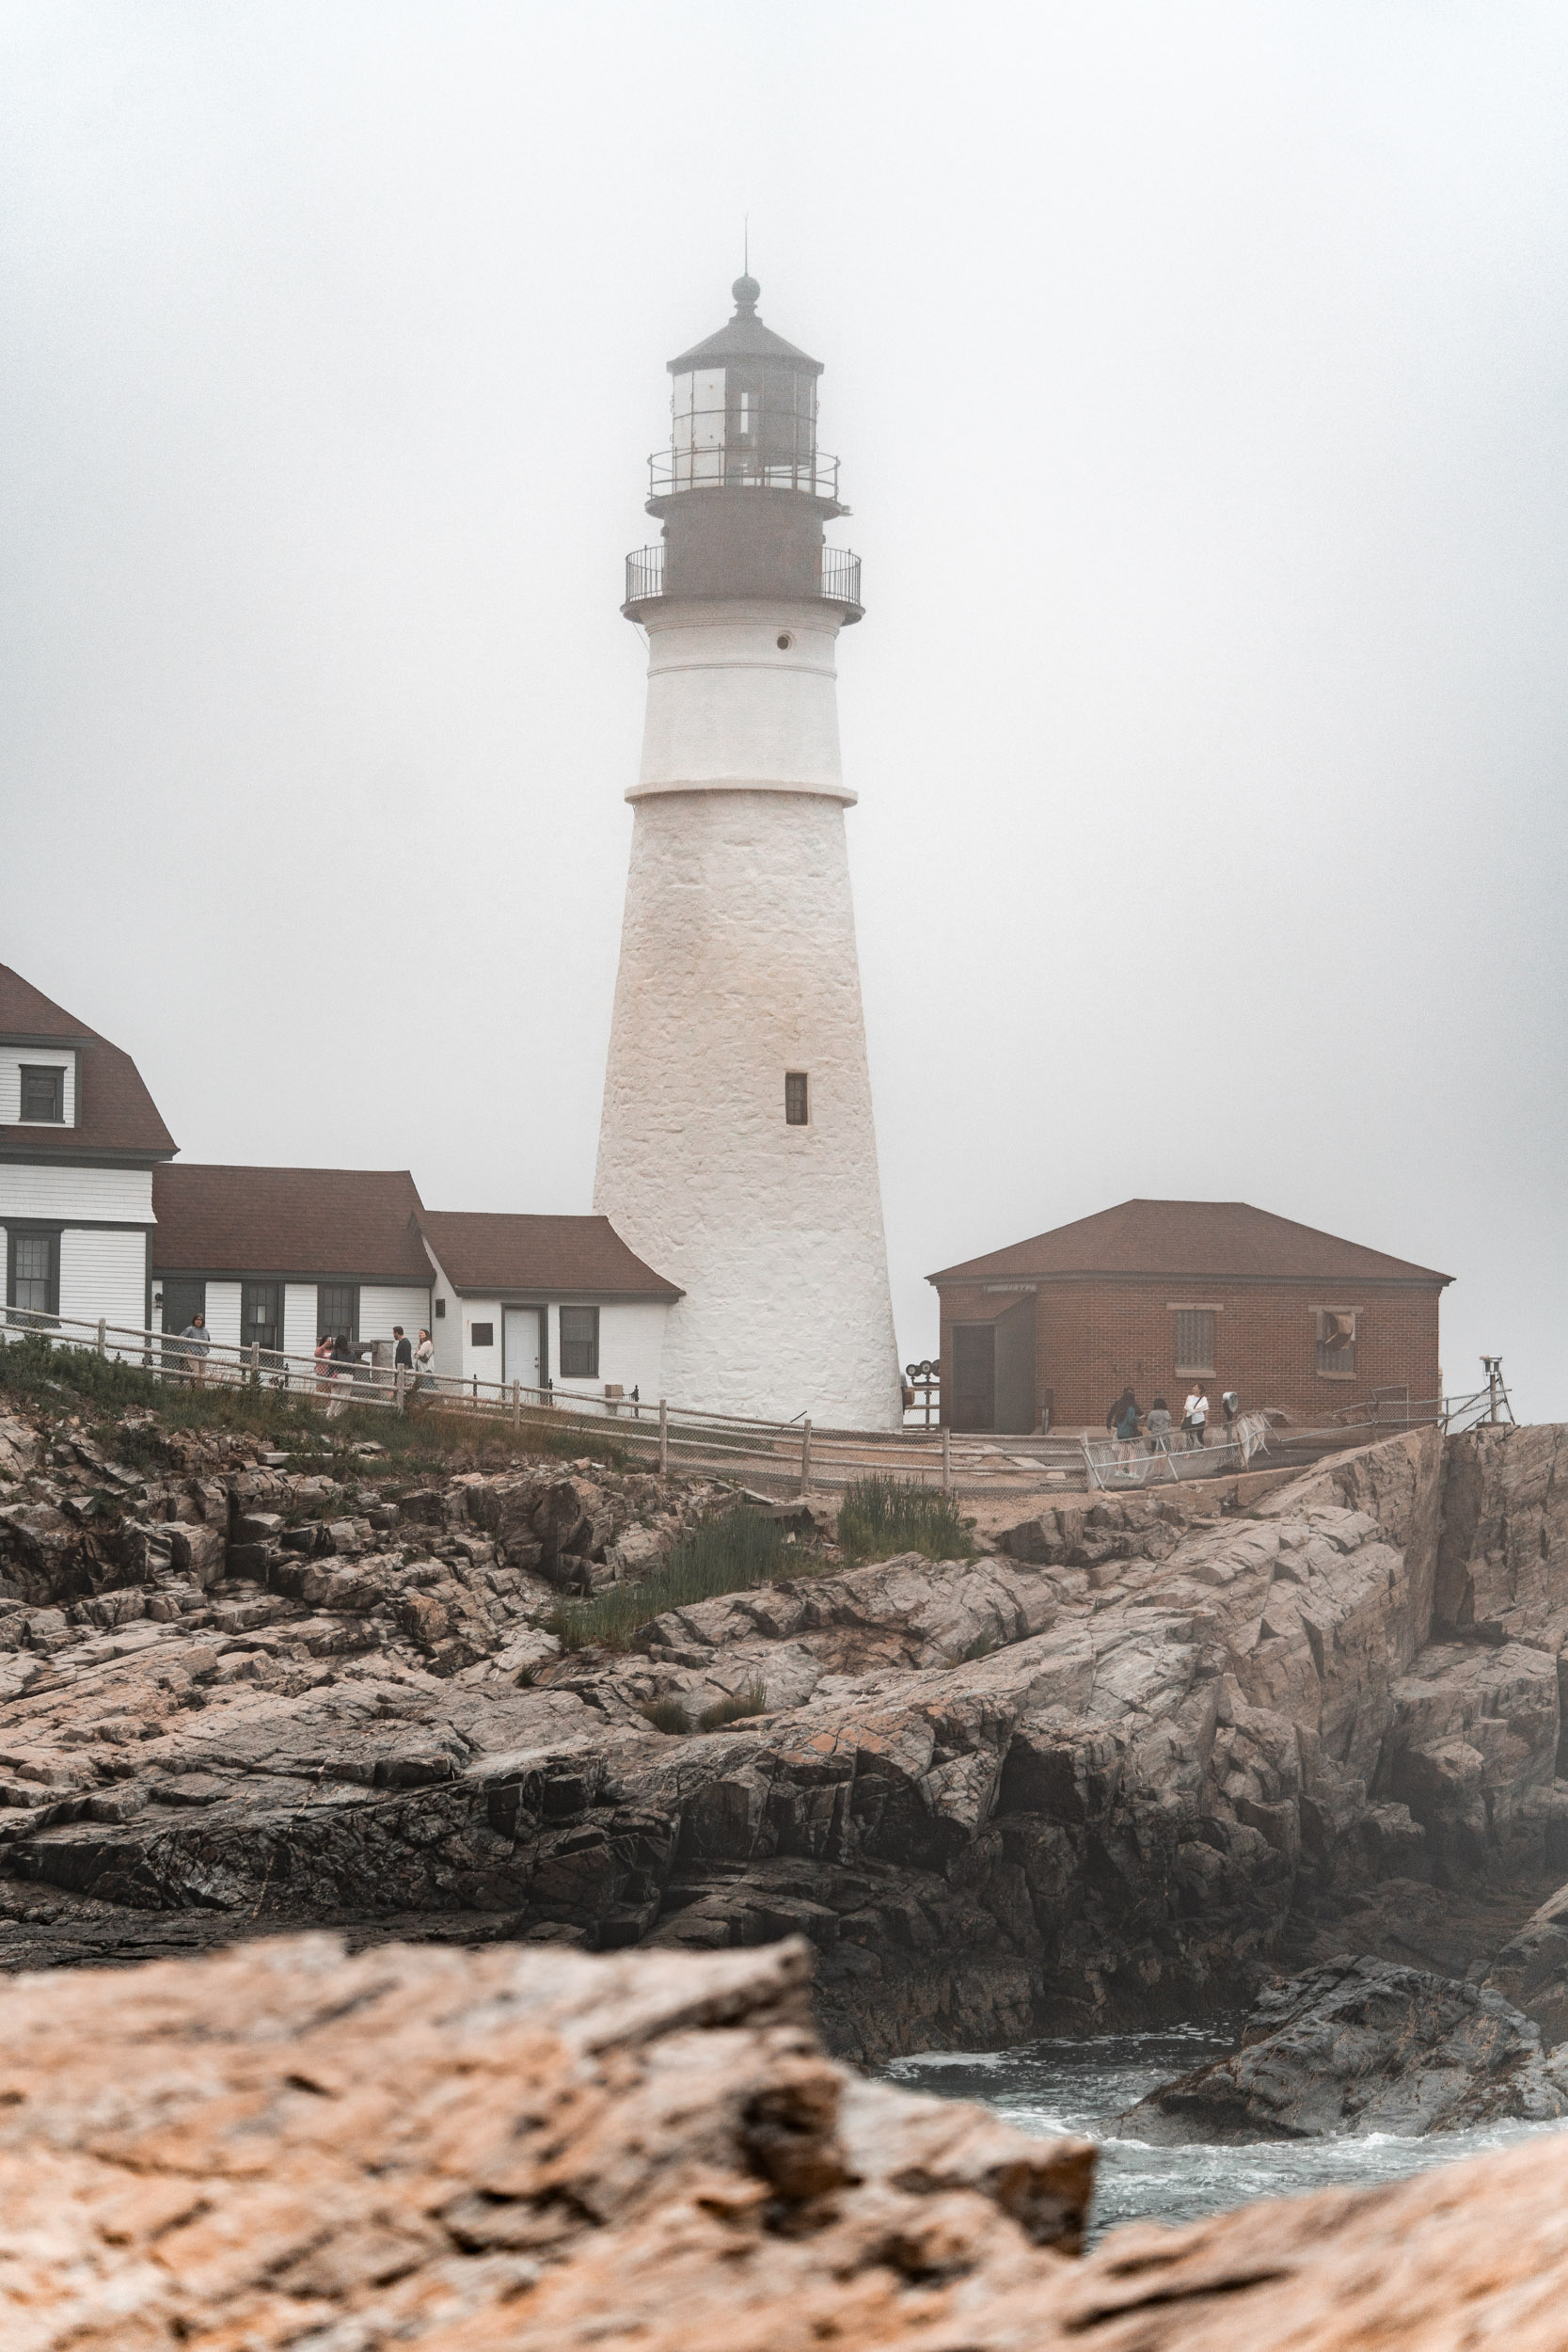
(1117, 1771)
(640, 2153)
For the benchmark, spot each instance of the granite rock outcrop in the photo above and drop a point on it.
(1364, 2045)
(1123, 1769)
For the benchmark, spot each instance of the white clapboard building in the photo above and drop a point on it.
(80, 1138)
(101, 1222)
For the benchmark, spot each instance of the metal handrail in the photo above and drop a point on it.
(671, 470)
(838, 579)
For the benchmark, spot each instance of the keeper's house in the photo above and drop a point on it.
(80, 1137)
(100, 1223)
(1154, 1293)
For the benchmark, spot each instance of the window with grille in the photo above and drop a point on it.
(797, 1098)
(42, 1096)
(1336, 1342)
(1194, 1338)
(261, 1314)
(579, 1343)
(32, 1274)
(338, 1309)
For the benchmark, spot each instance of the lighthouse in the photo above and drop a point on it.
(737, 1147)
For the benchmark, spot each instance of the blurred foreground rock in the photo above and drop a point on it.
(281, 2146)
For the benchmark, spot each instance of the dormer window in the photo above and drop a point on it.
(43, 1095)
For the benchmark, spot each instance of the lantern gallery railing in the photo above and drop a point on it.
(813, 474)
(839, 581)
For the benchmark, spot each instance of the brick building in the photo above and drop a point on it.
(1154, 1291)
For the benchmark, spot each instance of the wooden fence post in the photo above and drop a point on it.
(805, 1455)
(102, 1334)
(476, 1388)
(663, 1437)
(946, 1459)
(255, 1364)
(517, 1404)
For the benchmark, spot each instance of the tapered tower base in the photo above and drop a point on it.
(738, 970)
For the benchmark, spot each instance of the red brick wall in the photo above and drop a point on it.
(1097, 1334)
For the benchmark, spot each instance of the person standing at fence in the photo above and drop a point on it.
(1159, 1426)
(403, 1360)
(1129, 1430)
(1195, 1415)
(424, 1359)
(342, 1363)
(324, 1364)
(1229, 1407)
(197, 1345)
(1114, 1412)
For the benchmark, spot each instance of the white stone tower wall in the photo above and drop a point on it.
(738, 964)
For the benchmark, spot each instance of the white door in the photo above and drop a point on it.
(520, 1342)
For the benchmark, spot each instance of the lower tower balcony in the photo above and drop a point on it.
(837, 581)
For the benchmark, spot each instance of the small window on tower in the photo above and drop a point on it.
(797, 1099)
(748, 414)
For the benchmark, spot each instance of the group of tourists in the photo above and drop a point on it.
(1137, 1431)
(335, 1359)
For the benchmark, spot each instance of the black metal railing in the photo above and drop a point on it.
(841, 576)
(839, 581)
(814, 474)
(644, 574)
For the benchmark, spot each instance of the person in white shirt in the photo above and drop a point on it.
(1195, 1415)
(424, 1359)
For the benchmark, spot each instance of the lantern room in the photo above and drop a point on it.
(744, 413)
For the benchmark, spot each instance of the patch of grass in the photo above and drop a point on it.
(427, 1438)
(752, 1701)
(667, 1715)
(721, 1555)
(879, 1517)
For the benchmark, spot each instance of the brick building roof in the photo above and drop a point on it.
(1185, 1239)
(488, 1255)
(313, 1223)
(115, 1113)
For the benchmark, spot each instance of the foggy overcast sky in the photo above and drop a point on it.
(1200, 377)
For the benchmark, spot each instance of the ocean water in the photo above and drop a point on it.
(1050, 2086)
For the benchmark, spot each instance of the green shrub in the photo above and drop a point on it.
(752, 1701)
(667, 1715)
(721, 1555)
(881, 1516)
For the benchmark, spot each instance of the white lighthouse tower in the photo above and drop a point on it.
(737, 1148)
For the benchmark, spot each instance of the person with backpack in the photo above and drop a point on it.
(1129, 1429)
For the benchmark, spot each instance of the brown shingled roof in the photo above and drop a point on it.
(314, 1223)
(115, 1113)
(1185, 1238)
(488, 1255)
